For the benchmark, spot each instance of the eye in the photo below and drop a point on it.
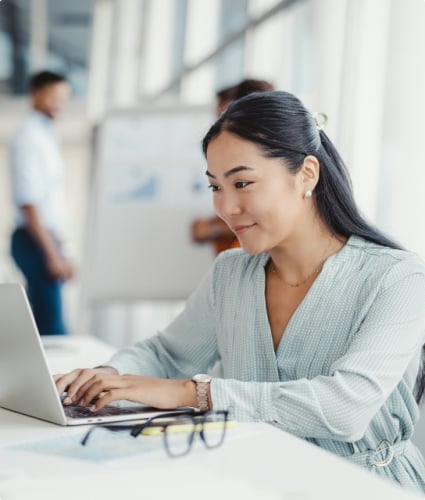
(213, 187)
(242, 184)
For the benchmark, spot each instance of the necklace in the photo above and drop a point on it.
(304, 281)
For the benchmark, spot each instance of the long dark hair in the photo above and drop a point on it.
(279, 124)
(282, 127)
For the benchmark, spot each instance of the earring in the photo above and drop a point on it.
(308, 194)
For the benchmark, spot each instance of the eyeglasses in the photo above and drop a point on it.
(178, 429)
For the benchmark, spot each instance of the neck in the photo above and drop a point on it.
(298, 262)
(41, 110)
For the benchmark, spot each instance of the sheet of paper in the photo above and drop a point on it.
(103, 445)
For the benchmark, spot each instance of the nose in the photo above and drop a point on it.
(226, 205)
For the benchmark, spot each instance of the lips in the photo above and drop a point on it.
(240, 229)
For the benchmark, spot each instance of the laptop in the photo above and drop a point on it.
(26, 384)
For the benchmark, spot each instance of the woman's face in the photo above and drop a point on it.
(258, 198)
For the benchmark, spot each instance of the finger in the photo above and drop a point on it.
(81, 378)
(119, 387)
(100, 387)
(94, 387)
(63, 381)
(108, 397)
(60, 383)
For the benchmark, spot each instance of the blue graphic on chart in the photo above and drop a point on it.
(144, 190)
(132, 184)
(163, 187)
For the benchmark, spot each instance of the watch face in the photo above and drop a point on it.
(201, 377)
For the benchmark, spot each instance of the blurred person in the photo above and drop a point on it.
(37, 178)
(214, 230)
(224, 97)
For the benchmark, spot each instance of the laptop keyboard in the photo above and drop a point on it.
(84, 411)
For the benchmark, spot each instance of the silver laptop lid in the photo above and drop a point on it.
(26, 383)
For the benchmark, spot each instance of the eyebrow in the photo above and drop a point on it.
(230, 172)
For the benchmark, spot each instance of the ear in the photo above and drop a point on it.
(309, 173)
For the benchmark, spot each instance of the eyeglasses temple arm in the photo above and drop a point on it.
(138, 428)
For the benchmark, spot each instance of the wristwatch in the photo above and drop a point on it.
(202, 382)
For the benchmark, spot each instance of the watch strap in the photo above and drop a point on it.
(202, 390)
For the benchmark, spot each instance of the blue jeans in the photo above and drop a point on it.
(44, 292)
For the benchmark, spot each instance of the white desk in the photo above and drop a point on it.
(259, 462)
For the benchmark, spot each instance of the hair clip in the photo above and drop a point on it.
(320, 119)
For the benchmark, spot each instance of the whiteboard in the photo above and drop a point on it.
(149, 184)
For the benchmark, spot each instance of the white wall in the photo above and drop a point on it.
(366, 71)
(400, 194)
(369, 77)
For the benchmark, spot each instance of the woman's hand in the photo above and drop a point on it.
(160, 393)
(99, 388)
(71, 382)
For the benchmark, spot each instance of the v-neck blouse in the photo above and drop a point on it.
(344, 371)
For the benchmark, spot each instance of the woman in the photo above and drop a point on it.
(318, 321)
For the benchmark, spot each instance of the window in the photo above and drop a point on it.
(62, 41)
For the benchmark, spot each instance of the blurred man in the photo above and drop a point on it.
(37, 175)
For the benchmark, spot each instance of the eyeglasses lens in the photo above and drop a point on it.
(214, 428)
(179, 436)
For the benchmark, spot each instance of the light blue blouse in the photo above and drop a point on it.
(344, 371)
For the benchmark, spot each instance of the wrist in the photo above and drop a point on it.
(53, 257)
(189, 394)
(109, 370)
(202, 383)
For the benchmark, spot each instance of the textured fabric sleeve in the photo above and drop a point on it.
(187, 346)
(341, 406)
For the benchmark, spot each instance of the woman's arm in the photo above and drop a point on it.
(141, 373)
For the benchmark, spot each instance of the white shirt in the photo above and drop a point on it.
(37, 171)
